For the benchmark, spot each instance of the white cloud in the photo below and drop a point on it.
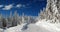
(8, 7)
(19, 5)
(1, 6)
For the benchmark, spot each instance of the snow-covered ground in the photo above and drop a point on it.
(53, 27)
(40, 26)
(1, 30)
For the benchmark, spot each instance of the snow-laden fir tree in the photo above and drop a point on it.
(51, 12)
(15, 19)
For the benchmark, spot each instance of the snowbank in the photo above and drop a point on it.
(1, 30)
(15, 29)
(40, 26)
(49, 26)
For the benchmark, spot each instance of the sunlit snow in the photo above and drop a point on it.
(40, 26)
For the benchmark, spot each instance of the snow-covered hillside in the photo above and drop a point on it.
(40, 26)
(52, 27)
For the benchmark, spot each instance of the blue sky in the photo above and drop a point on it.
(28, 7)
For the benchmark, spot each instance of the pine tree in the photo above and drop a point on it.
(51, 12)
